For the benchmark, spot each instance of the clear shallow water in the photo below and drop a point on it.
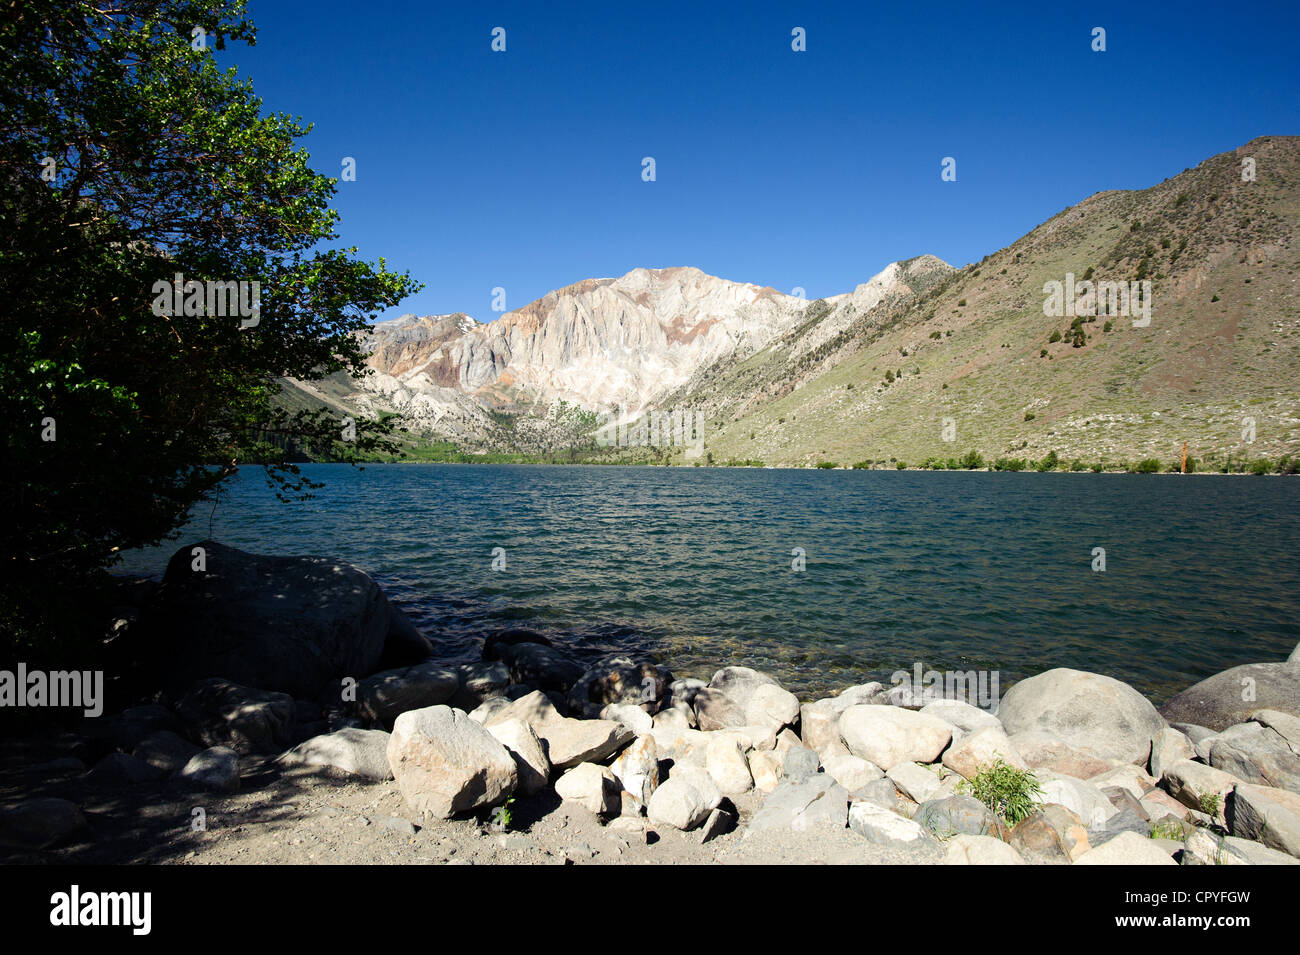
(955, 570)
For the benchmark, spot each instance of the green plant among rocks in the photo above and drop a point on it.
(1167, 829)
(1009, 792)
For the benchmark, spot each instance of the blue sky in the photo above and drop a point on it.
(522, 169)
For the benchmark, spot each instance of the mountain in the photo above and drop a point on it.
(1217, 359)
(923, 360)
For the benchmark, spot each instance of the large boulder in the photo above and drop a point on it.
(445, 763)
(291, 624)
(385, 696)
(217, 712)
(40, 823)
(1260, 755)
(619, 679)
(1087, 710)
(1270, 816)
(354, 751)
(1200, 787)
(1232, 696)
(1043, 750)
(771, 706)
(726, 763)
(819, 721)
(817, 801)
(888, 735)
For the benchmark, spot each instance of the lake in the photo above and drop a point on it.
(952, 570)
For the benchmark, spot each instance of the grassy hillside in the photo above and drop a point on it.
(976, 347)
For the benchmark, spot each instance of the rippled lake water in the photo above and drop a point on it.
(954, 570)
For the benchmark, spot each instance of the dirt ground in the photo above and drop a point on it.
(322, 817)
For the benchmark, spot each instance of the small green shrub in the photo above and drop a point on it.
(1009, 792)
(1147, 466)
(1167, 828)
(1210, 803)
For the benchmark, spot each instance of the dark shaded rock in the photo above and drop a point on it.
(290, 624)
(165, 751)
(41, 823)
(214, 769)
(385, 696)
(220, 713)
(493, 645)
(719, 823)
(1216, 702)
(120, 770)
(132, 726)
(480, 682)
(619, 679)
(540, 665)
(404, 645)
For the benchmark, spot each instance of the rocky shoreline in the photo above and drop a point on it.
(279, 732)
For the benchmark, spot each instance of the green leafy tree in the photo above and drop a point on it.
(128, 157)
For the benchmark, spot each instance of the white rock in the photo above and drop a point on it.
(591, 786)
(1127, 848)
(445, 763)
(851, 772)
(914, 781)
(685, 800)
(766, 769)
(964, 849)
(637, 769)
(529, 755)
(1087, 710)
(1168, 747)
(888, 735)
(633, 717)
(980, 749)
(770, 705)
(360, 752)
(961, 715)
(1082, 798)
(884, 827)
(726, 763)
